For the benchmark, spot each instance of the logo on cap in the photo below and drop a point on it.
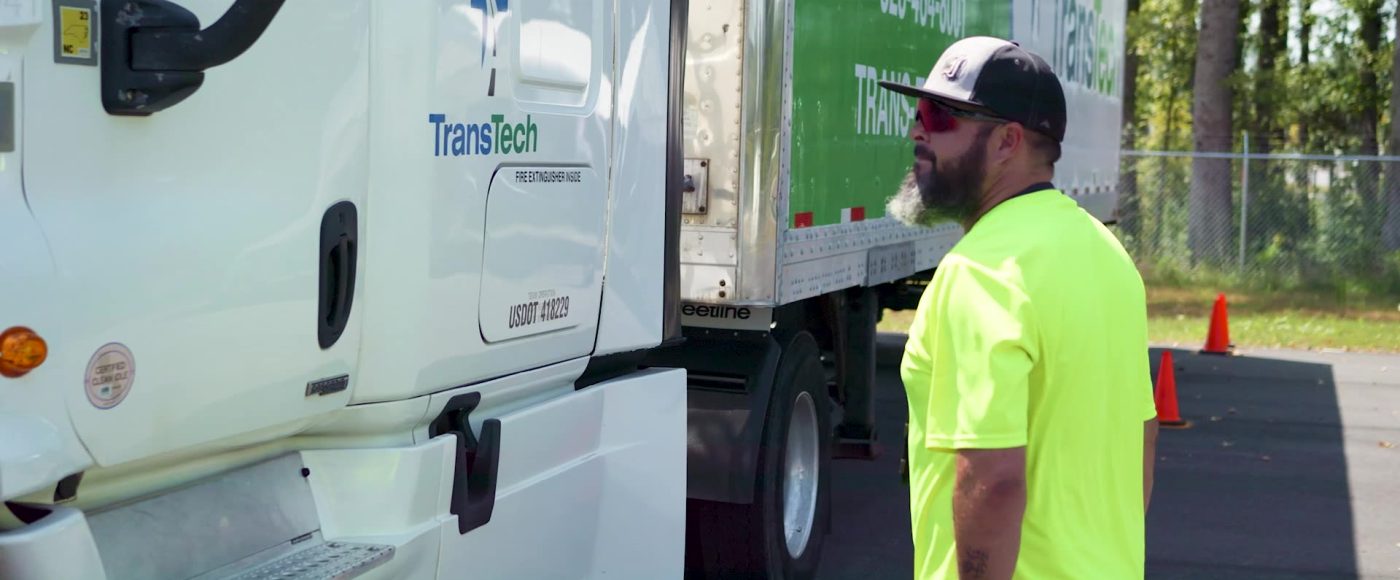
(954, 67)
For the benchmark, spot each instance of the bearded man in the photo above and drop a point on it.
(1032, 426)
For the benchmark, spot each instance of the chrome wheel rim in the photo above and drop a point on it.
(801, 467)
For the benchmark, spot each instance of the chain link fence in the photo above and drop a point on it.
(1285, 220)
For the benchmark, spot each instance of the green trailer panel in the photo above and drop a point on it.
(849, 137)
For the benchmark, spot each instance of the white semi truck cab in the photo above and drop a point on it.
(338, 286)
(465, 288)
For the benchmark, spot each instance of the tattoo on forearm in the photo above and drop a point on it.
(973, 564)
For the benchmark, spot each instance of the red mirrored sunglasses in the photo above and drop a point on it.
(937, 118)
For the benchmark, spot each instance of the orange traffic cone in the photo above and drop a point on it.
(1218, 341)
(1168, 415)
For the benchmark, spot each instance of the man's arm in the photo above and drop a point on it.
(988, 504)
(1149, 459)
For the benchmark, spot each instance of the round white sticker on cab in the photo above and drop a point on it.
(109, 375)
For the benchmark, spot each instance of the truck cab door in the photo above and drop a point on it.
(491, 187)
(206, 254)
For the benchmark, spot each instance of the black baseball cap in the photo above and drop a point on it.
(999, 78)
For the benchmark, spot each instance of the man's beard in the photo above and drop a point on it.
(940, 196)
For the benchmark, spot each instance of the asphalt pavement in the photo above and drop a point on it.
(1289, 470)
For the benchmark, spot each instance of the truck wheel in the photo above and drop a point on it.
(794, 464)
(780, 534)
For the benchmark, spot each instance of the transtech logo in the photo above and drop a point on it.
(1084, 41)
(496, 137)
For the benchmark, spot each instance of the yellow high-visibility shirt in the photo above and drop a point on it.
(1033, 333)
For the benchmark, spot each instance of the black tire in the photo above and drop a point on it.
(749, 541)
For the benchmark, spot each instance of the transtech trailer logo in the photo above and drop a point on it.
(496, 137)
(1085, 41)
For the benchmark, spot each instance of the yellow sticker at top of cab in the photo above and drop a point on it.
(75, 30)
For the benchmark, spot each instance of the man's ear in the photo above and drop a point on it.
(1006, 141)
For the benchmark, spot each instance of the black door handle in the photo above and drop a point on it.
(154, 52)
(342, 280)
(478, 461)
(339, 229)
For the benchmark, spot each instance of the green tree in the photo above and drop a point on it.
(1368, 125)
(1390, 231)
(1211, 208)
(1130, 212)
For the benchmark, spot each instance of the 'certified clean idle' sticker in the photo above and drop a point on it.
(109, 376)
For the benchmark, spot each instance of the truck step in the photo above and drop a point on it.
(329, 561)
(257, 521)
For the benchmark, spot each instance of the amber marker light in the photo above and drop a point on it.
(21, 351)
